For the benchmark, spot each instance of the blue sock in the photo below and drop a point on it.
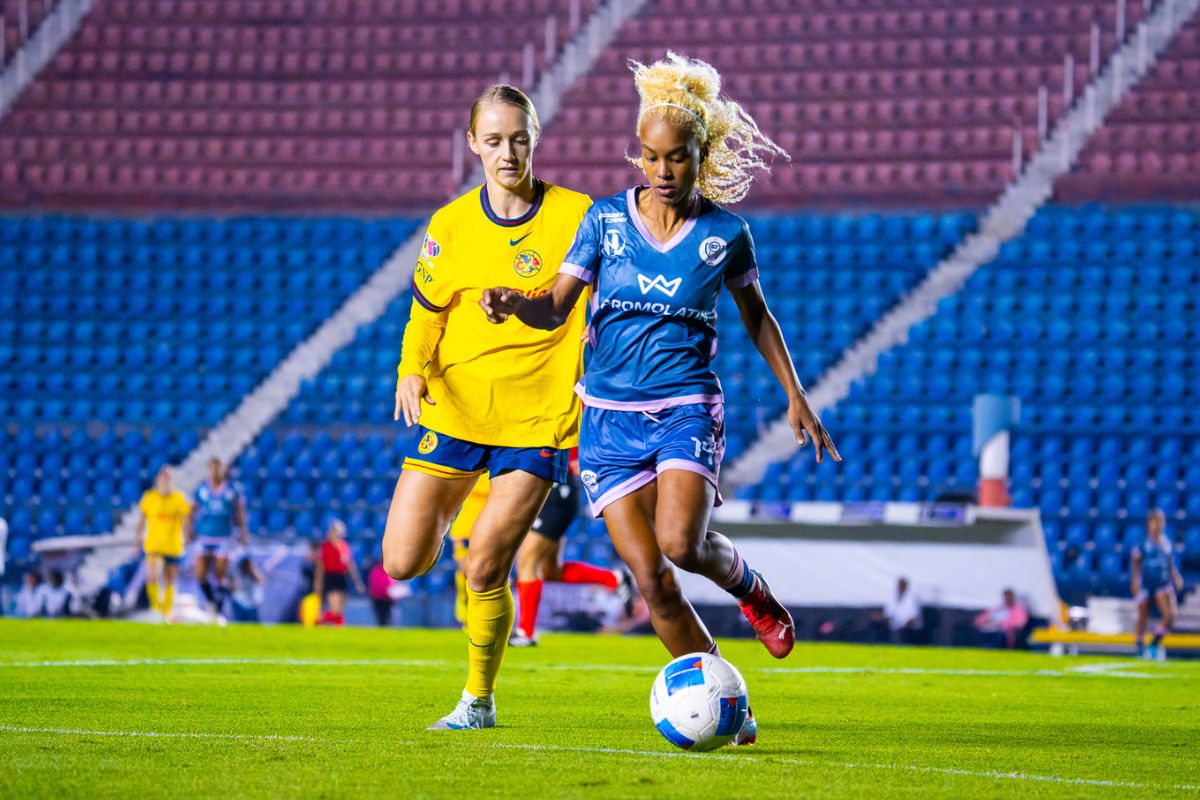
(741, 578)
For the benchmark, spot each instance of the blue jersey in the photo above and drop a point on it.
(654, 306)
(1156, 563)
(215, 509)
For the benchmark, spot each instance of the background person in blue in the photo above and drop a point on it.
(219, 507)
(653, 433)
(1155, 581)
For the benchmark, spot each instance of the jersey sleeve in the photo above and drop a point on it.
(741, 269)
(433, 292)
(583, 259)
(185, 507)
(144, 504)
(432, 286)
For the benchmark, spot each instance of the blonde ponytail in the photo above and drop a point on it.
(687, 92)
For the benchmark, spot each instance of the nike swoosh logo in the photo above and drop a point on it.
(515, 242)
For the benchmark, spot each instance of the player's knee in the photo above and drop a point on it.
(659, 589)
(401, 566)
(682, 552)
(485, 574)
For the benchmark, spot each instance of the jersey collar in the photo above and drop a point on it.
(636, 216)
(539, 192)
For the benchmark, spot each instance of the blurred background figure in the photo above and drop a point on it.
(55, 596)
(160, 535)
(1155, 580)
(1005, 625)
(29, 597)
(903, 614)
(334, 570)
(219, 510)
(247, 594)
(384, 591)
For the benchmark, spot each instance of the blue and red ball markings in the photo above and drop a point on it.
(673, 736)
(682, 674)
(733, 715)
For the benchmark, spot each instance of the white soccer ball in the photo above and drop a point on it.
(699, 702)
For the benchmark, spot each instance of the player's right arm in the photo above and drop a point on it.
(432, 295)
(1135, 571)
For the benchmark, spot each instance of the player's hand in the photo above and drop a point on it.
(410, 391)
(499, 304)
(806, 424)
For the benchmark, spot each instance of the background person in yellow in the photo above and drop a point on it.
(486, 399)
(160, 535)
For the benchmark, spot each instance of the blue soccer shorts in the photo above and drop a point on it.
(446, 457)
(622, 451)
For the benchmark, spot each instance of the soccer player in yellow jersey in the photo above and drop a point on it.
(483, 398)
(460, 538)
(160, 535)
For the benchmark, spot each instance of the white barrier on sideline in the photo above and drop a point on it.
(850, 555)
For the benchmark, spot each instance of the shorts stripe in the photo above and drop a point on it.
(621, 490)
(438, 470)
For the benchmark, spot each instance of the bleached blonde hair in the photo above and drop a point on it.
(687, 91)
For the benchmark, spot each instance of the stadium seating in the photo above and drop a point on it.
(111, 328)
(1149, 148)
(1090, 319)
(878, 104)
(263, 104)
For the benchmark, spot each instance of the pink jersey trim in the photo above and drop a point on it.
(647, 405)
(741, 281)
(576, 271)
(631, 200)
(692, 466)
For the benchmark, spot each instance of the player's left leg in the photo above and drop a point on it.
(170, 572)
(685, 500)
(201, 566)
(154, 572)
(513, 503)
(1165, 600)
(222, 592)
(1141, 622)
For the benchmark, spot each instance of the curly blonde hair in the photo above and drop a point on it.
(687, 92)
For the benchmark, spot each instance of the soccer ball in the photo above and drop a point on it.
(699, 702)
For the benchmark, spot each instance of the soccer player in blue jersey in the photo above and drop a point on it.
(1155, 580)
(218, 510)
(653, 433)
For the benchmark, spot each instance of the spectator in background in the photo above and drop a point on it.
(1005, 624)
(56, 597)
(29, 597)
(379, 589)
(247, 593)
(903, 614)
(334, 568)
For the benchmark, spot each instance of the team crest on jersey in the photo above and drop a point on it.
(430, 248)
(589, 480)
(614, 243)
(428, 443)
(712, 250)
(527, 264)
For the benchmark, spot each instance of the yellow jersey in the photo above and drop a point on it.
(506, 385)
(164, 522)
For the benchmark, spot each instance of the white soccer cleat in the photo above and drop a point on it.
(749, 732)
(518, 639)
(473, 714)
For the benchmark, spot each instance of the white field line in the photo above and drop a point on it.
(739, 762)
(1120, 669)
(168, 734)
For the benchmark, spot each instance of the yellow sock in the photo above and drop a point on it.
(489, 622)
(152, 593)
(168, 599)
(460, 598)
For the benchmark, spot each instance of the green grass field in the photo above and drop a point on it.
(121, 710)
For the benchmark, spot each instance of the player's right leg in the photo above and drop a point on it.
(1165, 600)
(537, 561)
(1142, 602)
(154, 570)
(423, 506)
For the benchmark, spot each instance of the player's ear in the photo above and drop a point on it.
(471, 142)
(703, 153)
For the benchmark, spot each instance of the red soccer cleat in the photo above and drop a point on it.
(770, 620)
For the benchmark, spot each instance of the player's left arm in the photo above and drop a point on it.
(1176, 578)
(764, 331)
(239, 513)
(358, 581)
